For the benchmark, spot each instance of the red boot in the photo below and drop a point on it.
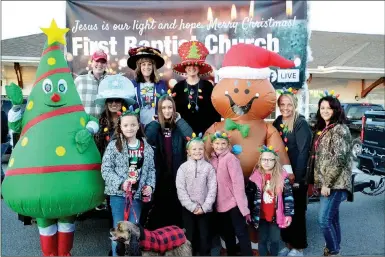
(65, 243)
(49, 245)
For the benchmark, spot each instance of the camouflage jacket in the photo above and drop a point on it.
(333, 159)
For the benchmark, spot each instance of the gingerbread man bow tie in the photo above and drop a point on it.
(243, 128)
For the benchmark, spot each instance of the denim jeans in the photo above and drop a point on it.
(4, 148)
(234, 225)
(268, 232)
(117, 204)
(329, 219)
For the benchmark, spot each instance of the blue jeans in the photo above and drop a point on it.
(4, 148)
(117, 204)
(329, 219)
(269, 232)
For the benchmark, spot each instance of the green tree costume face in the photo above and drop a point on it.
(47, 176)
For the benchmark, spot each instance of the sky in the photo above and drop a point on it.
(338, 16)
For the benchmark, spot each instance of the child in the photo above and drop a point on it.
(168, 135)
(128, 170)
(196, 186)
(271, 200)
(231, 199)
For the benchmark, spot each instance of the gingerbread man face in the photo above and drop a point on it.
(246, 99)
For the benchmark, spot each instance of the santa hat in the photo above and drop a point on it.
(246, 61)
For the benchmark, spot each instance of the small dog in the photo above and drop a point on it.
(133, 240)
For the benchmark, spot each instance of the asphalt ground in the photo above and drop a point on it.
(362, 225)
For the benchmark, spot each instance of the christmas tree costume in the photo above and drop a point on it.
(54, 171)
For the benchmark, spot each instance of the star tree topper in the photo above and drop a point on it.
(55, 34)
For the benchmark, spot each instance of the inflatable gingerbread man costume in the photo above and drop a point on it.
(244, 97)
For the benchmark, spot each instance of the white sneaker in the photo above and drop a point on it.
(295, 252)
(284, 252)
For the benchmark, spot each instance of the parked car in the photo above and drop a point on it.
(371, 160)
(354, 113)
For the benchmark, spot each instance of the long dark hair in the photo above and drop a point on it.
(106, 115)
(338, 113)
(119, 134)
(161, 119)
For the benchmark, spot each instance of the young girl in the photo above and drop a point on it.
(231, 203)
(271, 200)
(197, 189)
(168, 135)
(128, 169)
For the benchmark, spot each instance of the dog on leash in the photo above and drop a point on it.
(134, 240)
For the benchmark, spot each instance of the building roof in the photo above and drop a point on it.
(347, 49)
(329, 49)
(26, 46)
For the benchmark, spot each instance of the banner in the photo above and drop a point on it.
(117, 26)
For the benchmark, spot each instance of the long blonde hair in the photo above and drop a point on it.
(276, 175)
(294, 101)
(154, 77)
(161, 119)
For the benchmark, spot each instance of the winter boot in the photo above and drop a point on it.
(65, 243)
(49, 245)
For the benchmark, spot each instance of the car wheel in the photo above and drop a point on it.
(356, 149)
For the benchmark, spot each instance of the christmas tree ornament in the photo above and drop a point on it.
(54, 170)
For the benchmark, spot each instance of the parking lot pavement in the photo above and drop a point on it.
(362, 223)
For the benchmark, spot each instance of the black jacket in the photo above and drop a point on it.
(166, 209)
(155, 138)
(298, 144)
(202, 119)
(4, 127)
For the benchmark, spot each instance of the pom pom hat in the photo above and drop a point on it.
(246, 61)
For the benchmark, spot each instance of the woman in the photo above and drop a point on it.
(146, 61)
(168, 136)
(193, 95)
(332, 168)
(296, 135)
(114, 93)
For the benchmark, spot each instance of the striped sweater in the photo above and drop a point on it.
(284, 204)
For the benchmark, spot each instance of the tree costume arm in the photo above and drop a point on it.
(274, 139)
(84, 137)
(92, 125)
(15, 94)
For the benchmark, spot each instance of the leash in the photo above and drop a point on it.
(128, 205)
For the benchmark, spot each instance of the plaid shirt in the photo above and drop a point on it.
(162, 239)
(87, 86)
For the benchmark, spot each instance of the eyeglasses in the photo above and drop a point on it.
(267, 160)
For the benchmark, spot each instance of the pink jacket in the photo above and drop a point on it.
(231, 184)
(196, 184)
(283, 207)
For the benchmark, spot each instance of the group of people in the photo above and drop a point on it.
(157, 172)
